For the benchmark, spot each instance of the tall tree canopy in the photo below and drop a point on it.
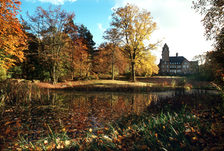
(134, 27)
(12, 37)
(87, 37)
(109, 59)
(58, 50)
(146, 65)
(213, 11)
(113, 37)
(52, 28)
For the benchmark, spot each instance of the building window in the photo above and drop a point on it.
(173, 71)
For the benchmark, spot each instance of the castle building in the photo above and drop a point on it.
(176, 65)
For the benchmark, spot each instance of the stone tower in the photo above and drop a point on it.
(165, 53)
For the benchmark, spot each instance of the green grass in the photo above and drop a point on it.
(165, 131)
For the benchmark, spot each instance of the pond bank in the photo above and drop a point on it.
(142, 85)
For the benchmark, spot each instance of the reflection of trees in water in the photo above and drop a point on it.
(140, 102)
(94, 109)
(74, 111)
(183, 91)
(99, 109)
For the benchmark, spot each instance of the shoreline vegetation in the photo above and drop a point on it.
(157, 83)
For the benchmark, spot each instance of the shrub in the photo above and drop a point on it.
(181, 82)
(3, 74)
(173, 83)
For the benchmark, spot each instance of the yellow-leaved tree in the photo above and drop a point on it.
(135, 28)
(146, 65)
(12, 37)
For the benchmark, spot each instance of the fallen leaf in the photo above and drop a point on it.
(90, 130)
(144, 147)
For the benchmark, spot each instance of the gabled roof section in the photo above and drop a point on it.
(178, 59)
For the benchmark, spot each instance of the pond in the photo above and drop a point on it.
(73, 112)
(94, 109)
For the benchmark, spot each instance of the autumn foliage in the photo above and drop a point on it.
(134, 28)
(79, 58)
(12, 37)
(108, 55)
(213, 21)
(61, 49)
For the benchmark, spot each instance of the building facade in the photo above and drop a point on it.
(176, 65)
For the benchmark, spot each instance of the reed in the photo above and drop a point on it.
(19, 92)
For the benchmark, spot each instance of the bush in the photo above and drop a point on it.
(127, 75)
(3, 74)
(181, 82)
(15, 72)
(173, 83)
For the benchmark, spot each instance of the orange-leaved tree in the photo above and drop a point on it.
(109, 59)
(12, 37)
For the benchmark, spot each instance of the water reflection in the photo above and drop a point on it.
(96, 109)
(76, 111)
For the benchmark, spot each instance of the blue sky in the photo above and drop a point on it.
(178, 24)
(92, 13)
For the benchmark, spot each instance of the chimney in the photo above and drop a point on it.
(176, 54)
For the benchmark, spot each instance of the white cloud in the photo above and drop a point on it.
(178, 25)
(56, 2)
(100, 26)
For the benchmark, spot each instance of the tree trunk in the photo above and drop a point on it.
(54, 75)
(112, 71)
(133, 71)
(113, 65)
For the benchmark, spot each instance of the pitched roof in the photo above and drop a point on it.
(178, 59)
(165, 45)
